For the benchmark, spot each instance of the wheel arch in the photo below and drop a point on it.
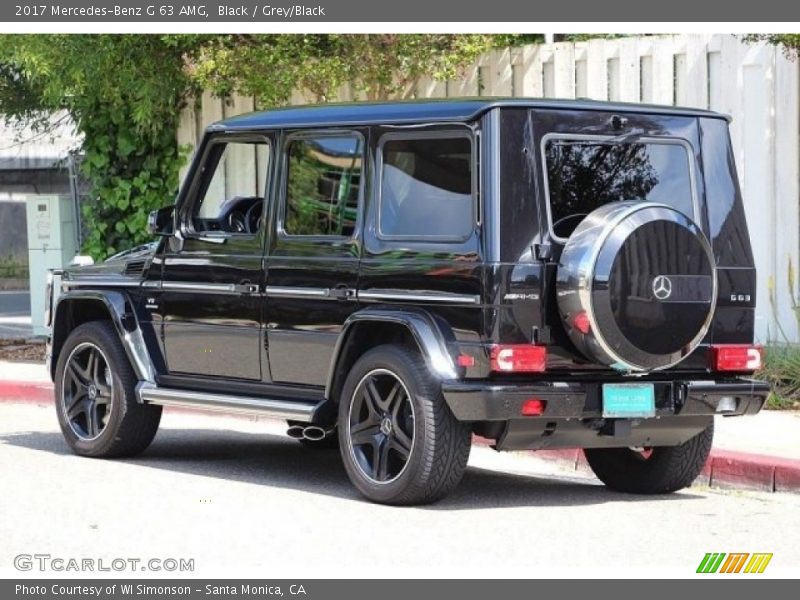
(379, 325)
(81, 306)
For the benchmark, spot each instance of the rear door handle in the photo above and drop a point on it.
(342, 292)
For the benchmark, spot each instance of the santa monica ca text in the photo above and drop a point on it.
(244, 589)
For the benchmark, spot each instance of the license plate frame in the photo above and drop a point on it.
(628, 400)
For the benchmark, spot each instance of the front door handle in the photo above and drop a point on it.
(247, 288)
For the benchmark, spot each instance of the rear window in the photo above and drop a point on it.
(586, 173)
(427, 188)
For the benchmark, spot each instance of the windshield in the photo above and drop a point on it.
(586, 173)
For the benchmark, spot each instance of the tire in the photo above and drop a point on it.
(422, 450)
(662, 470)
(109, 421)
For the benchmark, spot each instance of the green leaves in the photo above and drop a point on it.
(125, 145)
(788, 42)
(125, 93)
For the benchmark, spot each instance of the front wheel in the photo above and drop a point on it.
(400, 443)
(659, 470)
(96, 396)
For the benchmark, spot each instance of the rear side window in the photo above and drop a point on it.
(323, 185)
(426, 188)
(584, 173)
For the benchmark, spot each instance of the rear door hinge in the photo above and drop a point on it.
(543, 251)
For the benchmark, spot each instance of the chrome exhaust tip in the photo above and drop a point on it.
(295, 432)
(314, 433)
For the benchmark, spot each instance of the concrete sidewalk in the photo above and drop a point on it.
(760, 452)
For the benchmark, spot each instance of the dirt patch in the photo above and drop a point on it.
(22, 350)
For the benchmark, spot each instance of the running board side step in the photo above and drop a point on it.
(294, 410)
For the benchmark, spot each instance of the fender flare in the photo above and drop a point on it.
(423, 328)
(117, 305)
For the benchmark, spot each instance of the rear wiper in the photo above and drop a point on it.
(625, 138)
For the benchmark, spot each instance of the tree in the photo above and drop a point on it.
(125, 94)
(377, 66)
(789, 42)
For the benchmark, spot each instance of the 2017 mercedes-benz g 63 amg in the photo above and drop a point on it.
(393, 278)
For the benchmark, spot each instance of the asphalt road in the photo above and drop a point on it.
(15, 310)
(15, 303)
(241, 499)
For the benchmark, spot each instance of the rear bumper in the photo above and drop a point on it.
(489, 401)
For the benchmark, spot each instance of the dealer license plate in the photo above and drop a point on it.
(627, 400)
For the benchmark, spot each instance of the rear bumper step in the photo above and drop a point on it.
(293, 410)
(489, 401)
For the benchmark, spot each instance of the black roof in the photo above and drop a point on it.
(426, 111)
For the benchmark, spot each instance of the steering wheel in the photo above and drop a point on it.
(564, 227)
(237, 222)
(253, 216)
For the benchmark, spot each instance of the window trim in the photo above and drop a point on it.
(451, 133)
(651, 139)
(192, 201)
(284, 191)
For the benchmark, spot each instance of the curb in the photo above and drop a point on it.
(29, 392)
(724, 468)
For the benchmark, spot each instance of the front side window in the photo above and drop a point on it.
(427, 188)
(232, 190)
(323, 185)
(584, 174)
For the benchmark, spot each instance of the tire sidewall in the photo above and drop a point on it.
(91, 333)
(421, 397)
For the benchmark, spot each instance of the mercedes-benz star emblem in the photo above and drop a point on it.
(662, 287)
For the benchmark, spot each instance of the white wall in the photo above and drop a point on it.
(755, 84)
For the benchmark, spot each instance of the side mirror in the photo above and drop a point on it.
(161, 221)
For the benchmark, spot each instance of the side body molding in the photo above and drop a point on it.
(117, 305)
(423, 328)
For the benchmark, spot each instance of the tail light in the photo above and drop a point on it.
(518, 358)
(736, 357)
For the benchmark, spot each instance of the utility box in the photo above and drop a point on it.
(52, 243)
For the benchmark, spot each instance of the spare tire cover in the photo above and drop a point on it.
(636, 286)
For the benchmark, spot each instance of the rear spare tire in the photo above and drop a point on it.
(637, 286)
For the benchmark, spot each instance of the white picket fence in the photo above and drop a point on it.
(754, 83)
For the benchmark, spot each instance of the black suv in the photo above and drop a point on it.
(393, 278)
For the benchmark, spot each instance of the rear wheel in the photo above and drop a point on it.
(400, 443)
(659, 470)
(96, 402)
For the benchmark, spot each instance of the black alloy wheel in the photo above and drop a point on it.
(98, 410)
(399, 441)
(381, 426)
(88, 392)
